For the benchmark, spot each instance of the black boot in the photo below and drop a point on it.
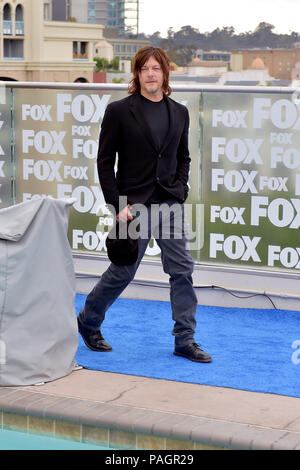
(193, 352)
(93, 339)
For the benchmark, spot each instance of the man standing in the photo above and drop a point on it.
(149, 131)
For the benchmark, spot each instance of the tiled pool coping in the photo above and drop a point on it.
(127, 427)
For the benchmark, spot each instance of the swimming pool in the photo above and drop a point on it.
(15, 440)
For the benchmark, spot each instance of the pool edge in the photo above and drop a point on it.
(127, 427)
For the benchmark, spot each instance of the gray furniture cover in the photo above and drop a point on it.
(38, 327)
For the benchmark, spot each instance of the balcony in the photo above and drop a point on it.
(80, 56)
(19, 28)
(80, 50)
(7, 27)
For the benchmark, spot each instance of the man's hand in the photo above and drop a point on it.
(125, 214)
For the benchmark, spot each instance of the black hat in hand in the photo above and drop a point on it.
(122, 250)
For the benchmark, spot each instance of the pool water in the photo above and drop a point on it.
(15, 440)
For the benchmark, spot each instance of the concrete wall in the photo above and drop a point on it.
(236, 62)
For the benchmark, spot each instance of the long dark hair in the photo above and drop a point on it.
(141, 58)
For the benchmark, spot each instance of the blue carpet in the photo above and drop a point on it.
(251, 348)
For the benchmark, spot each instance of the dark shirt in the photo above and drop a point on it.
(157, 118)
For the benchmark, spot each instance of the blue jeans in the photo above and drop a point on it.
(169, 231)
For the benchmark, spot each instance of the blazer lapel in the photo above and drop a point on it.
(135, 107)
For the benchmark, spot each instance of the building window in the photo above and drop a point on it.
(19, 13)
(47, 10)
(7, 23)
(68, 8)
(13, 49)
(7, 12)
(19, 21)
(80, 50)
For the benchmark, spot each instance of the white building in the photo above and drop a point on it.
(257, 72)
(32, 49)
(104, 50)
(204, 68)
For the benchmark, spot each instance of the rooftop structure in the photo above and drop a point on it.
(279, 62)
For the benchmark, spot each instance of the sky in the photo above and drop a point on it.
(207, 15)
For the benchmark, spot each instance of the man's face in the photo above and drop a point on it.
(151, 79)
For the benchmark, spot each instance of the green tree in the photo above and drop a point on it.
(101, 64)
(115, 63)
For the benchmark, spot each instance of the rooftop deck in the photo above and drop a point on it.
(135, 412)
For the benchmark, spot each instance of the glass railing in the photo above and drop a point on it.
(19, 27)
(7, 27)
(243, 206)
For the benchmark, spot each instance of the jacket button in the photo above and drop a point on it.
(157, 178)
(160, 155)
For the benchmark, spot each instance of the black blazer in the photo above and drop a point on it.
(140, 165)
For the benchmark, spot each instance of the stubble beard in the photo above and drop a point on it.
(152, 91)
